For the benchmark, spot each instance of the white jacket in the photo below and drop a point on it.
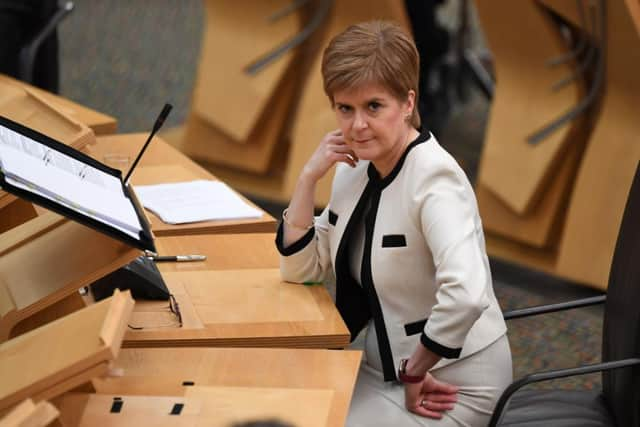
(426, 257)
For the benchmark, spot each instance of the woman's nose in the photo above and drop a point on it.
(359, 121)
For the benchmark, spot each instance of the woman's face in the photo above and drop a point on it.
(374, 123)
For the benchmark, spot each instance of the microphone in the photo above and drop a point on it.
(156, 127)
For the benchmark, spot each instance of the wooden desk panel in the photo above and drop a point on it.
(162, 373)
(239, 308)
(84, 342)
(162, 163)
(44, 262)
(100, 123)
(210, 406)
(29, 414)
(223, 251)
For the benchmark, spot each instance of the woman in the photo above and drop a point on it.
(403, 240)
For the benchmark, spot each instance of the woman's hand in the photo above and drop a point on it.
(430, 398)
(331, 149)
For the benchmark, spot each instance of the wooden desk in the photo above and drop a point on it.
(235, 298)
(238, 376)
(64, 354)
(223, 251)
(162, 163)
(29, 414)
(238, 308)
(101, 124)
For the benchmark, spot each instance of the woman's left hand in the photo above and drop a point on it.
(430, 397)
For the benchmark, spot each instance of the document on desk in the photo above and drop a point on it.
(36, 168)
(194, 201)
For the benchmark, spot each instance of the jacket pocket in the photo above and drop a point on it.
(415, 328)
(394, 241)
(333, 217)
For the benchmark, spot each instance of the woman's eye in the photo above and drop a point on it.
(344, 108)
(374, 106)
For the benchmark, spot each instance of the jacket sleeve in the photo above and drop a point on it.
(451, 225)
(308, 259)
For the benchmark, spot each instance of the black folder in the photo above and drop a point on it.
(144, 238)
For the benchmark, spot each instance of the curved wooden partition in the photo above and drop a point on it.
(609, 163)
(523, 38)
(237, 119)
(225, 95)
(599, 193)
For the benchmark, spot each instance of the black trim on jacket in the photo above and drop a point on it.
(357, 313)
(439, 349)
(351, 298)
(366, 278)
(296, 246)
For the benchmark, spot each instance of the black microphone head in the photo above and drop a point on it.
(163, 115)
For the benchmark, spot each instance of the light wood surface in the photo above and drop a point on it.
(34, 111)
(207, 144)
(29, 414)
(100, 123)
(83, 340)
(542, 225)
(223, 251)
(234, 37)
(161, 163)
(239, 308)
(47, 259)
(211, 406)
(145, 372)
(522, 38)
(610, 161)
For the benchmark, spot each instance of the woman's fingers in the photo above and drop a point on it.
(436, 406)
(429, 408)
(432, 385)
(441, 397)
(341, 153)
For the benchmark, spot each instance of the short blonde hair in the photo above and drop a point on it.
(376, 52)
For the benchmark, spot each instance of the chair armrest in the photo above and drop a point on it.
(550, 308)
(551, 375)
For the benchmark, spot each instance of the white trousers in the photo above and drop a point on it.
(481, 378)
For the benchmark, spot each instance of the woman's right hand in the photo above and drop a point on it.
(430, 397)
(332, 149)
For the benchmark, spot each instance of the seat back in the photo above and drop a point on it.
(621, 330)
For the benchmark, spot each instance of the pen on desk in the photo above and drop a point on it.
(178, 258)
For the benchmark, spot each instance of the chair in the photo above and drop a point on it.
(618, 403)
(42, 50)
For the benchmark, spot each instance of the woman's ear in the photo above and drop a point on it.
(411, 101)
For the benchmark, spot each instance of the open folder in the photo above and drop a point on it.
(37, 168)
